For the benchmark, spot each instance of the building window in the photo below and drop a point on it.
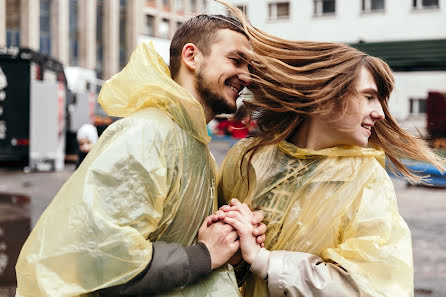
(244, 8)
(13, 23)
(279, 10)
(73, 33)
(179, 5)
(417, 106)
(150, 25)
(421, 4)
(166, 5)
(164, 28)
(193, 5)
(122, 33)
(45, 32)
(151, 3)
(99, 40)
(324, 7)
(372, 5)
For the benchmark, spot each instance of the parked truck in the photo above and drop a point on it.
(33, 91)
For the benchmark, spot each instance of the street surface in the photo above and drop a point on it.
(423, 208)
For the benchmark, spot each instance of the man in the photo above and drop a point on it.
(126, 221)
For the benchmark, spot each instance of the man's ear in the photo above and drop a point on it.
(191, 56)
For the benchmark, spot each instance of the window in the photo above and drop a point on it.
(421, 4)
(73, 33)
(151, 3)
(323, 7)
(279, 10)
(99, 40)
(166, 5)
(193, 5)
(150, 25)
(417, 106)
(179, 5)
(122, 33)
(13, 23)
(164, 28)
(372, 5)
(243, 8)
(45, 32)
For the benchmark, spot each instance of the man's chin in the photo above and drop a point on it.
(226, 110)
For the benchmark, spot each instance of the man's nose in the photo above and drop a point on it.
(245, 77)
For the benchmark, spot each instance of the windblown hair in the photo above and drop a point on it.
(201, 31)
(292, 80)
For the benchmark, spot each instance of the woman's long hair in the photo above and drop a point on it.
(292, 80)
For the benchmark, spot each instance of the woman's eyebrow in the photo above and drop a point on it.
(369, 91)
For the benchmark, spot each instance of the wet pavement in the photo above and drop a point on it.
(423, 208)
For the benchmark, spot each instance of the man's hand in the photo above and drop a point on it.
(220, 239)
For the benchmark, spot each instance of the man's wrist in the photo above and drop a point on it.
(199, 260)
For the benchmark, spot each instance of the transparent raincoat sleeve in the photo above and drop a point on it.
(376, 247)
(99, 240)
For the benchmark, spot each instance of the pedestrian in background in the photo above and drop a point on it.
(86, 136)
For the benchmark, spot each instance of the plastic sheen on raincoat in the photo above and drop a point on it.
(150, 177)
(336, 203)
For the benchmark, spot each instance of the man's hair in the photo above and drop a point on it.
(201, 31)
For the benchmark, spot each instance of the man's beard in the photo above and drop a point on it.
(212, 100)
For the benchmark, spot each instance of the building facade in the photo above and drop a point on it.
(409, 34)
(98, 35)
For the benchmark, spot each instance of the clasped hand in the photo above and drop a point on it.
(233, 232)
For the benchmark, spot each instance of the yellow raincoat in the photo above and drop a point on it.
(336, 203)
(149, 177)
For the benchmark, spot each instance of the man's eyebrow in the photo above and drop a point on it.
(238, 53)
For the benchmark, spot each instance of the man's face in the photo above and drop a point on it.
(223, 73)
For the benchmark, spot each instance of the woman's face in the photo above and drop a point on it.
(356, 125)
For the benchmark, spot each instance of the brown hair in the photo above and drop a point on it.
(294, 79)
(201, 31)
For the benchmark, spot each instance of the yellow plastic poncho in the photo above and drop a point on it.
(149, 177)
(336, 203)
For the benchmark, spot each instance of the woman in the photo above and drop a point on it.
(316, 169)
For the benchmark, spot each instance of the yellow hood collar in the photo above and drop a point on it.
(146, 82)
(338, 151)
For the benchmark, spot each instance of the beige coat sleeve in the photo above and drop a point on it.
(296, 274)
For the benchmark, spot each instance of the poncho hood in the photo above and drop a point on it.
(146, 82)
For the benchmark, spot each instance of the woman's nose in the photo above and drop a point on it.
(378, 112)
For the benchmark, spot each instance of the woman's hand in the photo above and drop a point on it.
(259, 227)
(241, 217)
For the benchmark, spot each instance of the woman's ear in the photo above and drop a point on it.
(191, 56)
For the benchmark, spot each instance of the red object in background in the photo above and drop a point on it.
(436, 114)
(235, 129)
(238, 129)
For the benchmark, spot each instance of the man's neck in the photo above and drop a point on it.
(189, 84)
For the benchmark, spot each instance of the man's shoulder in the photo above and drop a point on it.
(148, 120)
